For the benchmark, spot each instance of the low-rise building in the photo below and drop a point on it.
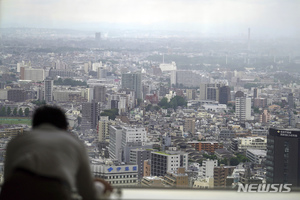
(256, 156)
(152, 181)
(209, 146)
(117, 175)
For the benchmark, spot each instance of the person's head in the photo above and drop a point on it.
(50, 115)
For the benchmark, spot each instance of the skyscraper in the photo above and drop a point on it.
(283, 152)
(133, 81)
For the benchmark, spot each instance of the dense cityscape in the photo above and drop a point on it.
(161, 111)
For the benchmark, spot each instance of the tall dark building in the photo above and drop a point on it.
(224, 95)
(90, 115)
(255, 93)
(100, 93)
(283, 151)
(48, 90)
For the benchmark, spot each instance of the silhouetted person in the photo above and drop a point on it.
(48, 162)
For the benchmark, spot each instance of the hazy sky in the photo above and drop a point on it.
(228, 16)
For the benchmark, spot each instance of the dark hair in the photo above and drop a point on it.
(50, 114)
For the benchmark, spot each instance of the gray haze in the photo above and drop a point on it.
(228, 18)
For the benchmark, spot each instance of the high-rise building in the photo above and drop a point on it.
(255, 93)
(101, 72)
(242, 108)
(133, 81)
(210, 91)
(224, 96)
(90, 115)
(115, 143)
(162, 162)
(265, 117)
(283, 156)
(100, 93)
(103, 129)
(48, 90)
(190, 94)
(220, 175)
(260, 102)
(137, 157)
(208, 168)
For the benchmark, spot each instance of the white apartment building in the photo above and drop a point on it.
(115, 143)
(207, 168)
(133, 134)
(243, 108)
(252, 143)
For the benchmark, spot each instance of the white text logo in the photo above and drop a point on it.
(264, 188)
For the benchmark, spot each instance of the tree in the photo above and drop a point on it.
(112, 113)
(164, 103)
(20, 112)
(15, 112)
(234, 161)
(8, 111)
(38, 102)
(2, 111)
(148, 107)
(26, 112)
(256, 110)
